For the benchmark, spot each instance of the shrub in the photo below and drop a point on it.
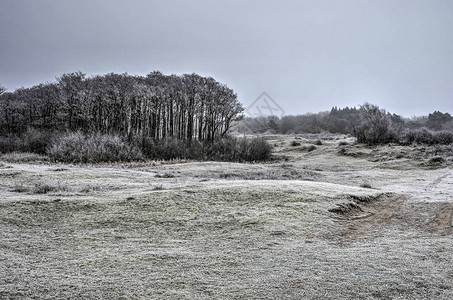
(36, 141)
(257, 149)
(443, 137)
(225, 149)
(436, 160)
(78, 147)
(8, 143)
(425, 136)
(32, 140)
(171, 148)
(164, 149)
(222, 149)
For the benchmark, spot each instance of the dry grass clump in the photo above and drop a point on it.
(366, 185)
(158, 187)
(318, 143)
(345, 208)
(90, 188)
(20, 188)
(310, 148)
(165, 175)
(44, 187)
(40, 187)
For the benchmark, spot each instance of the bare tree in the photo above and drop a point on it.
(376, 126)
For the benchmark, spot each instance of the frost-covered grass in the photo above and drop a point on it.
(208, 230)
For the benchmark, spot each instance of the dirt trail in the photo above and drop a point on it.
(443, 223)
(372, 217)
(393, 212)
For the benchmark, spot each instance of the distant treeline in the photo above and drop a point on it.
(338, 120)
(156, 106)
(369, 123)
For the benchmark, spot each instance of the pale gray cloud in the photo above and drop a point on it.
(308, 55)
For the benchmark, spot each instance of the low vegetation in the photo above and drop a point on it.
(92, 148)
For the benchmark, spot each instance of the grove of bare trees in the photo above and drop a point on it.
(156, 106)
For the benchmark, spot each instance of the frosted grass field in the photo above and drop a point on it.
(359, 223)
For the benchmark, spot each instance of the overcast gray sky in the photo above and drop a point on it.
(307, 55)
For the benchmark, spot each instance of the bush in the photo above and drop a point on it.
(436, 160)
(172, 148)
(295, 143)
(32, 140)
(257, 149)
(239, 149)
(8, 143)
(222, 149)
(225, 149)
(443, 137)
(163, 149)
(36, 141)
(425, 136)
(92, 148)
